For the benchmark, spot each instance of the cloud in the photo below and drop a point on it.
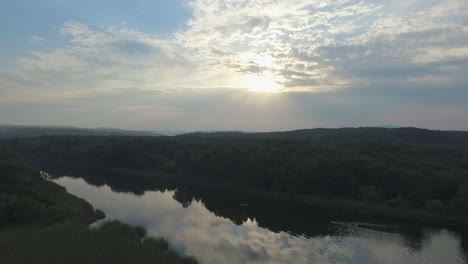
(316, 45)
(312, 45)
(211, 239)
(98, 59)
(36, 39)
(346, 50)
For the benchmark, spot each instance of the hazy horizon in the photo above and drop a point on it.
(171, 132)
(257, 65)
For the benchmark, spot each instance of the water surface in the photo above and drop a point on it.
(218, 229)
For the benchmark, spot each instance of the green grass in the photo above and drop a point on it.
(72, 243)
(27, 198)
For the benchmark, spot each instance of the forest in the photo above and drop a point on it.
(402, 168)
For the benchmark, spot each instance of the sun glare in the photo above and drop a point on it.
(262, 83)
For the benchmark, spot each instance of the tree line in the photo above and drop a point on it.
(398, 174)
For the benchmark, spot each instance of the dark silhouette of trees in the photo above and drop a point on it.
(394, 167)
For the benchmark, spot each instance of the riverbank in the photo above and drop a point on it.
(40, 222)
(418, 182)
(439, 218)
(73, 243)
(146, 178)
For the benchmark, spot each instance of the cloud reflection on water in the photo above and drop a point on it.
(196, 231)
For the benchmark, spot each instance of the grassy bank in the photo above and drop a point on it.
(74, 243)
(27, 198)
(41, 223)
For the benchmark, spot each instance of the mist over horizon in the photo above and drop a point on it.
(170, 132)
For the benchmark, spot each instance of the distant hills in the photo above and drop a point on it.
(16, 131)
(408, 135)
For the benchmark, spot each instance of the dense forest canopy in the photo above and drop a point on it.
(408, 135)
(398, 167)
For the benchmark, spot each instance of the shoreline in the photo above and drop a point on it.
(340, 205)
(439, 218)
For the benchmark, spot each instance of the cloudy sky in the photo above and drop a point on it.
(234, 64)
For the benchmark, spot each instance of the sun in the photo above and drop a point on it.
(261, 83)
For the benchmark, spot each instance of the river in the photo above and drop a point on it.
(216, 228)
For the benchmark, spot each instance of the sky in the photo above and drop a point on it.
(256, 65)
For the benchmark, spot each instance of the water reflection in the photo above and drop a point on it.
(216, 229)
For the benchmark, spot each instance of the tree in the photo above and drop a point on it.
(461, 200)
(371, 194)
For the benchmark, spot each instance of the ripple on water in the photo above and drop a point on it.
(195, 230)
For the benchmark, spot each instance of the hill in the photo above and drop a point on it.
(407, 135)
(15, 131)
